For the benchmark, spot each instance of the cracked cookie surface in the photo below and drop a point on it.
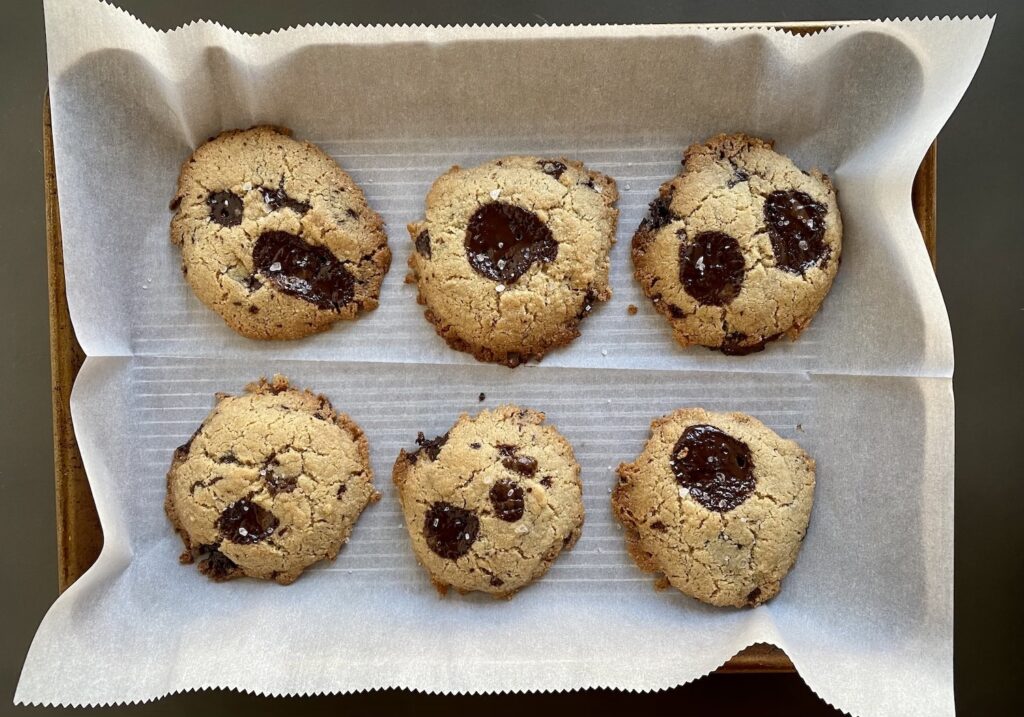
(490, 504)
(718, 504)
(513, 254)
(275, 236)
(741, 247)
(271, 482)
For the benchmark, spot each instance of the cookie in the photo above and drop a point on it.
(718, 504)
(270, 483)
(741, 247)
(513, 254)
(274, 236)
(491, 503)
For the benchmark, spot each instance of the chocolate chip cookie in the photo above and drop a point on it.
(274, 236)
(718, 504)
(741, 247)
(271, 482)
(490, 504)
(513, 254)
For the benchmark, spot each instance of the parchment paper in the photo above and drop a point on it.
(866, 614)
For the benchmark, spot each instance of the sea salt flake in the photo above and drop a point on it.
(683, 491)
(499, 288)
(276, 266)
(495, 193)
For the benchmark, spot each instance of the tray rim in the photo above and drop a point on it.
(79, 534)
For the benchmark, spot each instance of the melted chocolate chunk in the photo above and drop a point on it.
(311, 273)
(216, 564)
(732, 346)
(450, 531)
(278, 199)
(243, 522)
(551, 167)
(430, 448)
(525, 465)
(342, 489)
(423, 244)
(277, 483)
(503, 241)
(658, 214)
(711, 267)
(225, 208)
(507, 499)
(546, 481)
(796, 227)
(716, 468)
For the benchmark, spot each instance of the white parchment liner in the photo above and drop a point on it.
(866, 615)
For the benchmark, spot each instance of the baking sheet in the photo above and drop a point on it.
(866, 614)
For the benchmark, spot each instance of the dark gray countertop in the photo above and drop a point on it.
(980, 267)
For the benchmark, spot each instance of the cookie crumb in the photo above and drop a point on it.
(631, 309)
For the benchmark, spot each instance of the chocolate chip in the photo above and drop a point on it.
(429, 448)
(341, 490)
(482, 397)
(674, 311)
(252, 283)
(181, 452)
(503, 241)
(278, 199)
(216, 564)
(311, 273)
(352, 213)
(423, 244)
(254, 309)
(175, 203)
(496, 581)
(551, 167)
(754, 595)
(716, 468)
(507, 499)
(738, 176)
(711, 267)
(659, 213)
(796, 227)
(225, 208)
(589, 301)
(546, 481)
(475, 446)
(450, 531)
(244, 522)
(659, 526)
(229, 457)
